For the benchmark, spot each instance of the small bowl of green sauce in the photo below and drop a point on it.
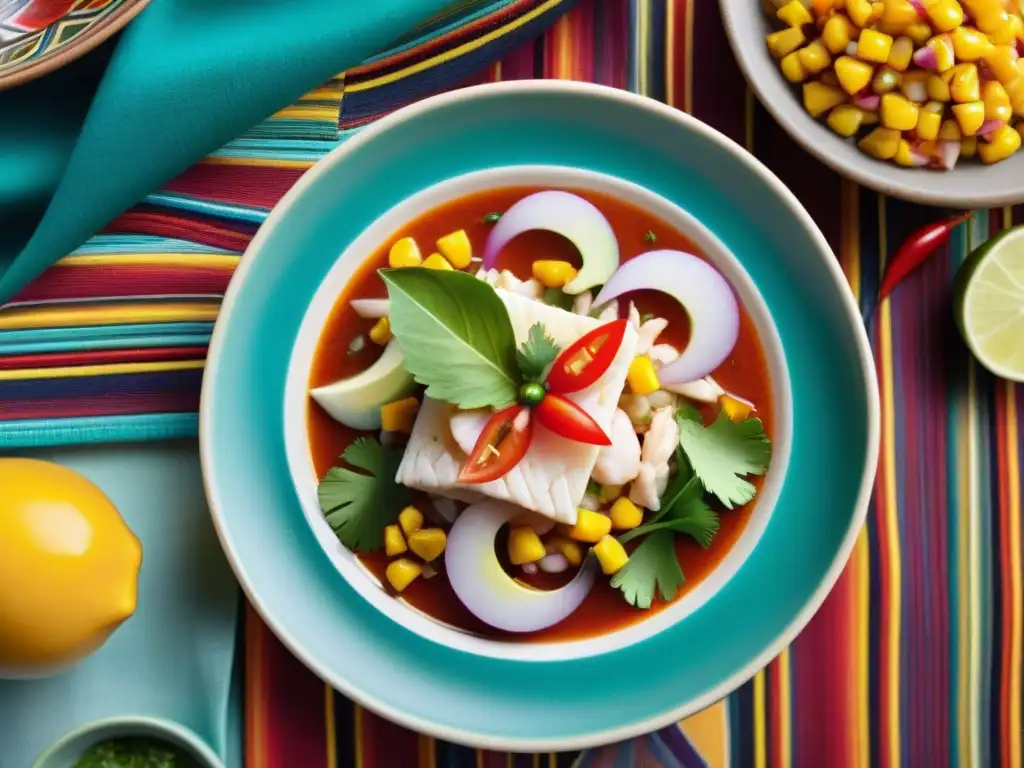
(130, 742)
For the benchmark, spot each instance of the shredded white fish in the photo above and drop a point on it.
(591, 502)
(582, 303)
(662, 354)
(554, 563)
(705, 390)
(659, 444)
(609, 313)
(634, 316)
(618, 463)
(647, 334)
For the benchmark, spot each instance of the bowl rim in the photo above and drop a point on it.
(916, 193)
(91, 39)
(174, 733)
(849, 309)
(297, 436)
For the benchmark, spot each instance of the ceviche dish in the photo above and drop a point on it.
(539, 414)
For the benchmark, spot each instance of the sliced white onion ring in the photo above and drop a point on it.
(705, 295)
(568, 215)
(491, 594)
(371, 308)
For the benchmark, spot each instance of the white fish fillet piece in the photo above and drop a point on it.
(552, 477)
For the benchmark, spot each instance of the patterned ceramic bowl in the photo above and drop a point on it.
(38, 36)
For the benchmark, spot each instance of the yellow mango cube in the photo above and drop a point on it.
(642, 377)
(411, 520)
(428, 543)
(874, 46)
(854, 76)
(590, 526)
(898, 113)
(402, 572)
(785, 41)
(610, 554)
(1004, 142)
(735, 408)
(437, 261)
(400, 415)
(455, 247)
(394, 542)
(524, 545)
(404, 253)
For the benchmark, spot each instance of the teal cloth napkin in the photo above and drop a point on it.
(82, 145)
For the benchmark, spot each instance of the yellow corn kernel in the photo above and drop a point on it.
(969, 44)
(997, 101)
(885, 80)
(969, 116)
(404, 253)
(455, 247)
(400, 415)
(1020, 129)
(950, 130)
(524, 545)
(590, 526)
(402, 572)
(437, 261)
(429, 543)
(914, 85)
(1001, 62)
(845, 119)
(553, 274)
(870, 118)
(942, 45)
(785, 41)
(881, 143)
(1003, 143)
(928, 123)
(928, 148)
(964, 85)
(829, 78)
(938, 88)
(900, 54)
(1016, 28)
(625, 514)
(610, 554)
(642, 377)
(983, 8)
(874, 46)
(854, 76)
(919, 32)
(734, 408)
(411, 520)
(968, 146)
(899, 13)
(814, 57)
(1001, 32)
(877, 8)
(1015, 90)
(381, 331)
(860, 12)
(945, 15)
(837, 33)
(795, 14)
(898, 113)
(394, 543)
(792, 69)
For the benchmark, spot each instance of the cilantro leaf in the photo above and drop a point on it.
(130, 753)
(683, 511)
(455, 334)
(359, 506)
(652, 566)
(537, 353)
(723, 454)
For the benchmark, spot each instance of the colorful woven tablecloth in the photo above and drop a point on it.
(916, 657)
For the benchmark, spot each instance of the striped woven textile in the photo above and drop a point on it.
(916, 657)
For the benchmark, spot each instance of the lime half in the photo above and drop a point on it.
(988, 297)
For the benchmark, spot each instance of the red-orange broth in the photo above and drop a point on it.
(744, 372)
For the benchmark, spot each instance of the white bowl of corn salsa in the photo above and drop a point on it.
(922, 99)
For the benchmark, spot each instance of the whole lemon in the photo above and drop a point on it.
(68, 567)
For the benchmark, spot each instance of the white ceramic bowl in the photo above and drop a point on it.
(297, 440)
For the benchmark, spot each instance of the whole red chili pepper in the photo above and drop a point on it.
(915, 251)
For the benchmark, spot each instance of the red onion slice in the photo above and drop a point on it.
(705, 295)
(371, 308)
(947, 153)
(573, 218)
(492, 595)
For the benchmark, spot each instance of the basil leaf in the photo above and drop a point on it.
(455, 335)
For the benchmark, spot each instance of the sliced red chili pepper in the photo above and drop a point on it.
(915, 250)
(563, 417)
(502, 444)
(586, 359)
